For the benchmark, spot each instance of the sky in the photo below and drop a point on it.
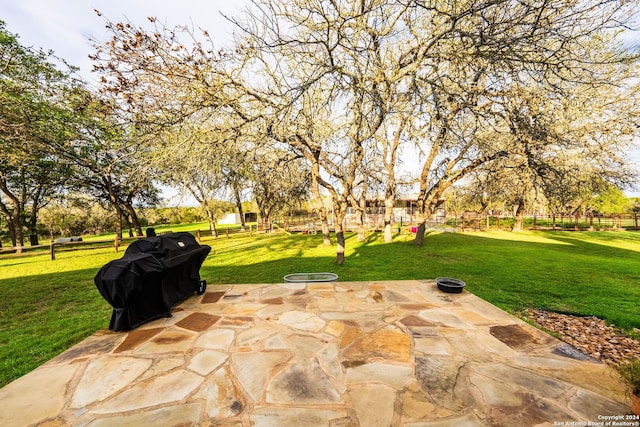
(68, 26)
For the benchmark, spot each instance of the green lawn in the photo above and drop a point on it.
(47, 306)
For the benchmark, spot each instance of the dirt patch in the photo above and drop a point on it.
(512, 335)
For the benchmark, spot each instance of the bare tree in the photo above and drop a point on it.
(565, 147)
(172, 85)
(478, 56)
(280, 181)
(342, 83)
(328, 58)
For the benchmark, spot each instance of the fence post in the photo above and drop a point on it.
(198, 235)
(227, 232)
(52, 250)
(116, 243)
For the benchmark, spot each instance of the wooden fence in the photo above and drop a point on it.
(612, 222)
(467, 221)
(55, 247)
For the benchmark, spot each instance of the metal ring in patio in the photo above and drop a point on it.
(310, 277)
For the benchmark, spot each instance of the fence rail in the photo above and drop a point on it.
(56, 247)
(467, 221)
(478, 222)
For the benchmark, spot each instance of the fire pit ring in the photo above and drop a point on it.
(450, 285)
(310, 277)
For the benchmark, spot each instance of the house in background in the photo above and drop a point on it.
(234, 218)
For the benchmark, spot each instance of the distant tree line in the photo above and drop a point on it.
(84, 217)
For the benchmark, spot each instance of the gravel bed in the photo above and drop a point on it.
(591, 335)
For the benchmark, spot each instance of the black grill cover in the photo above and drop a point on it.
(154, 274)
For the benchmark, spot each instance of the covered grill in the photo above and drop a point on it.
(154, 274)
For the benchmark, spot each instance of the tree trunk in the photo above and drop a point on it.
(236, 193)
(5, 213)
(212, 222)
(136, 224)
(339, 220)
(422, 214)
(265, 217)
(33, 235)
(388, 218)
(134, 220)
(19, 239)
(419, 240)
(341, 246)
(390, 152)
(362, 232)
(17, 227)
(119, 215)
(322, 211)
(362, 235)
(426, 205)
(13, 218)
(387, 232)
(324, 224)
(32, 224)
(7, 216)
(12, 232)
(115, 203)
(519, 219)
(129, 229)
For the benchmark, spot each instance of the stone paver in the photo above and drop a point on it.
(393, 353)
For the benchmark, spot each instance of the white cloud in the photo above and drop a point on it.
(66, 26)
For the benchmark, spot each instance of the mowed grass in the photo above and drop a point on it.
(47, 306)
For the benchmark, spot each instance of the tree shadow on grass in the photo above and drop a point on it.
(583, 277)
(560, 274)
(46, 313)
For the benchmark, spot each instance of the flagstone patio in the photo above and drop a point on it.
(393, 353)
